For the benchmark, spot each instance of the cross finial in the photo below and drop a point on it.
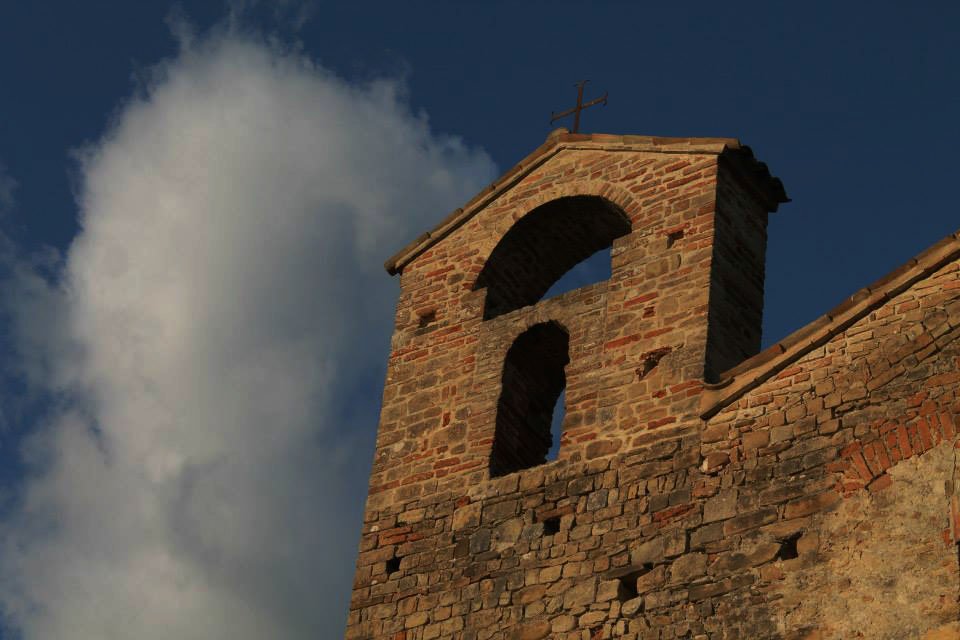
(580, 107)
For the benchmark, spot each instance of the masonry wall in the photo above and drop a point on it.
(854, 447)
(768, 520)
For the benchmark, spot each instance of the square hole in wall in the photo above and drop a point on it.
(393, 565)
(674, 237)
(426, 317)
(551, 526)
(627, 589)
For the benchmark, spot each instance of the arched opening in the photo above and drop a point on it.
(533, 379)
(544, 245)
(556, 424)
(596, 268)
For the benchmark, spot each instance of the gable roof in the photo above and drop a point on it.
(752, 372)
(769, 188)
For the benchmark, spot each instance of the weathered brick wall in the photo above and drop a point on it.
(761, 521)
(852, 446)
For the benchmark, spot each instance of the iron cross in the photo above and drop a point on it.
(580, 107)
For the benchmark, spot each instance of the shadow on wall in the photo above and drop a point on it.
(533, 256)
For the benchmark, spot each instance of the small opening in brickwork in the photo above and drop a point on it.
(393, 565)
(544, 245)
(650, 361)
(426, 318)
(627, 589)
(551, 526)
(788, 547)
(674, 237)
(533, 379)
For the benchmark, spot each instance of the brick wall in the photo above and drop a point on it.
(853, 447)
(654, 522)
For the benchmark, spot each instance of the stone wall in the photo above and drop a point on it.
(853, 447)
(814, 502)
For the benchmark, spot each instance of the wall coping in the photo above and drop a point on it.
(752, 372)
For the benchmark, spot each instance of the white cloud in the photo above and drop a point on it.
(220, 315)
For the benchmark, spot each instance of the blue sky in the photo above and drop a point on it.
(196, 199)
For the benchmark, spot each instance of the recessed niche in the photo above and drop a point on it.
(393, 565)
(551, 526)
(650, 360)
(426, 318)
(788, 547)
(627, 589)
(673, 237)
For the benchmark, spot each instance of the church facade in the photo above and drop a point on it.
(702, 490)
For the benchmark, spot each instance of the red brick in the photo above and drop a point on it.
(880, 483)
(619, 342)
(882, 454)
(657, 332)
(915, 442)
(671, 513)
(446, 462)
(906, 451)
(873, 460)
(640, 299)
(924, 432)
(850, 449)
(861, 466)
(653, 424)
(893, 447)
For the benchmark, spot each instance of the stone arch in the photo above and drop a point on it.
(533, 378)
(616, 194)
(552, 237)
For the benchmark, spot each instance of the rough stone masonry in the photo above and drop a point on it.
(702, 490)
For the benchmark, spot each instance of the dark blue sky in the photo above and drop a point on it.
(853, 105)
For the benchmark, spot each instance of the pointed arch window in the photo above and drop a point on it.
(533, 379)
(544, 245)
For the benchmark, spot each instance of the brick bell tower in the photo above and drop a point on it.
(468, 532)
